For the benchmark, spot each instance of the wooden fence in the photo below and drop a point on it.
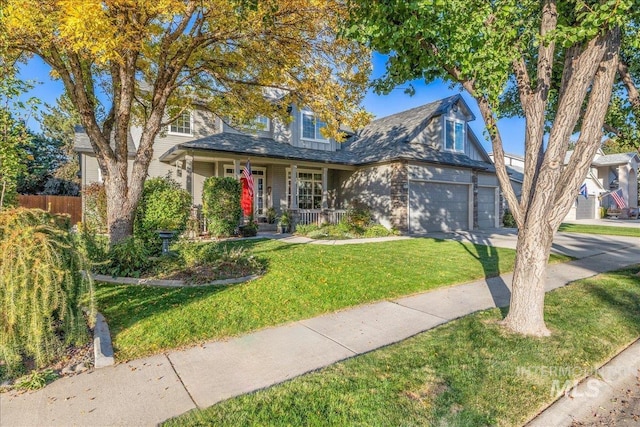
(56, 204)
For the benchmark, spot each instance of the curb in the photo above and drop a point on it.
(592, 392)
(169, 283)
(102, 347)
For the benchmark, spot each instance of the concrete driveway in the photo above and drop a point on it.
(576, 245)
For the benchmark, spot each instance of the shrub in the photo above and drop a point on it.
(378, 230)
(250, 229)
(357, 217)
(96, 246)
(221, 205)
(305, 229)
(95, 207)
(163, 206)
(508, 220)
(127, 258)
(603, 212)
(204, 262)
(42, 288)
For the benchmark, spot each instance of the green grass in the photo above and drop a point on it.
(600, 229)
(301, 281)
(469, 372)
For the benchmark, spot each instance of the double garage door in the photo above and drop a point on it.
(437, 207)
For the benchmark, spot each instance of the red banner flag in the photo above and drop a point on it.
(246, 201)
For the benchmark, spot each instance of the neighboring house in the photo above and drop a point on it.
(421, 170)
(608, 173)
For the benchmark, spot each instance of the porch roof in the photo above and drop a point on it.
(233, 143)
(241, 144)
(614, 159)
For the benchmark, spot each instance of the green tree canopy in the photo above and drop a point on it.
(559, 60)
(155, 59)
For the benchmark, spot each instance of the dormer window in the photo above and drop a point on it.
(260, 123)
(454, 135)
(311, 126)
(182, 125)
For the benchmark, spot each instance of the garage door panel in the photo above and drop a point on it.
(435, 207)
(486, 207)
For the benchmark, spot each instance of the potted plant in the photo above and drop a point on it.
(271, 215)
(285, 222)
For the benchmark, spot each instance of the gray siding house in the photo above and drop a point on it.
(422, 170)
(608, 173)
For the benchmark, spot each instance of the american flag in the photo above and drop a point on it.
(246, 172)
(583, 191)
(617, 197)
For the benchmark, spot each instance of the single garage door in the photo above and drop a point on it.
(435, 207)
(585, 208)
(486, 207)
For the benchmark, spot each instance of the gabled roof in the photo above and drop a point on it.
(614, 159)
(392, 138)
(386, 132)
(81, 143)
(386, 139)
(607, 159)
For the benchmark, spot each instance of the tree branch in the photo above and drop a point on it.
(632, 90)
(589, 141)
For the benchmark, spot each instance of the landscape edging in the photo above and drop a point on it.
(102, 346)
(169, 283)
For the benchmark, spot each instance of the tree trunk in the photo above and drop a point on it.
(120, 212)
(526, 309)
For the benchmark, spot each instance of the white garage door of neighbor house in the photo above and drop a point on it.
(486, 207)
(435, 207)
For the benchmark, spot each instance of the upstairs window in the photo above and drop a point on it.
(259, 123)
(311, 126)
(454, 135)
(182, 125)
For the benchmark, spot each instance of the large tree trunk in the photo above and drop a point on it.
(120, 210)
(526, 309)
(556, 185)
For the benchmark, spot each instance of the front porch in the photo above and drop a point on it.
(312, 197)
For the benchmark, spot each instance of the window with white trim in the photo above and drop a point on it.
(260, 123)
(311, 125)
(309, 189)
(454, 135)
(182, 125)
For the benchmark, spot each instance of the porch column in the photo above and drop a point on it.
(294, 188)
(189, 167)
(325, 191)
(236, 168)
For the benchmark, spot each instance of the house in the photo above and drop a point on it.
(608, 173)
(421, 170)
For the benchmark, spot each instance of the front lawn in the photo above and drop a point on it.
(600, 229)
(469, 372)
(301, 281)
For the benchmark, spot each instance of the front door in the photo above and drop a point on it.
(259, 185)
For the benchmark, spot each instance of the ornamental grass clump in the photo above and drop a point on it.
(42, 290)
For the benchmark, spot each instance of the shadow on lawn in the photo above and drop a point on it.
(487, 255)
(626, 302)
(125, 305)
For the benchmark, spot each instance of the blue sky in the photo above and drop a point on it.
(512, 130)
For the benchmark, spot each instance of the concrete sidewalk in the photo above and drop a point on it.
(154, 389)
